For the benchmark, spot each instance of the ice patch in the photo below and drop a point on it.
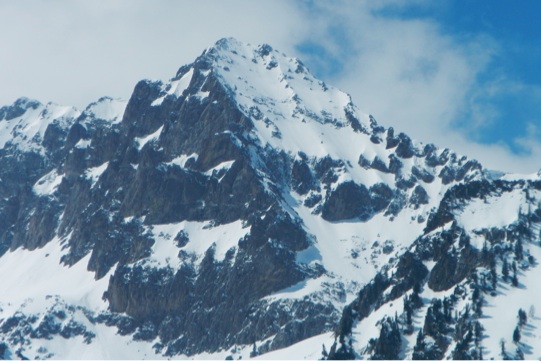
(176, 87)
(201, 235)
(83, 144)
(182, 159)
(95, 173)
(38, 273)
(149, 138)
(202, 95)
(108, 109)
(26, 131)
(307, 349)
(300, 290)
(224, 166)
(48, 184)
(497, 211)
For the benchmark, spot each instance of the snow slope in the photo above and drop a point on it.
(297, 119)
(26, 131)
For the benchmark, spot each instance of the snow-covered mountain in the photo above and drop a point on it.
(247, 209)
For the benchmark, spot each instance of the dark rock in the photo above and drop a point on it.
(354, 122)
(146, 332)
(466, 168)
(405, 147)
(381, 196)
(432, 160)
(4, 350)
(376, 128)
(348, 201)
(365, 163)
(166, 194)
(378, 164)
(18, 108)
(422, 174)
(148, 294)
(387, 346)
(11, 323)
(72, 329)
(404, 184)
(453, 268)
(447, 175)
(140, 117)
(375, 139)
(433, 247)
(410, 270)
(182, 239)
(392, 142)
(264, 50)
(155, 295)
(397, 204)
(301, 177)
(47, 328)
(368, 298)
(219, 148)
(294, 331)
(54, 139)
(326, 164)
(395, 165)
(438, 219)
(419, 196)
(312, 200)
(428, 150)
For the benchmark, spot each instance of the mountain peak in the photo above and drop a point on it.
(241, 207)
(18, 108)
(274, 90)
(233, 45)
(23, 125)
(106, 108)
(228, 44)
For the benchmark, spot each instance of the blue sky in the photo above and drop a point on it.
(516, 28)
(511, 78)
(462, 74)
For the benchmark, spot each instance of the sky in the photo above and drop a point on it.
(463, 74)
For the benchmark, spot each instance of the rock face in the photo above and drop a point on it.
(468, 267)
(237, 209)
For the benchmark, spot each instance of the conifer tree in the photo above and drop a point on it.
(505, 270)
(516, 335)
(522, 317)
(502, 349)
(493, 274)
(519, 250)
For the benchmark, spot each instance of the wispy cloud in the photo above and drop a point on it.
(74, 51)
(437, 86)
(396, 60)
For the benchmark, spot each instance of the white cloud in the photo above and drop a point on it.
(407, 73)
(410, 75)
(74, 51)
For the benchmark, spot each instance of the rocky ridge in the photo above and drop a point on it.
(246, 206)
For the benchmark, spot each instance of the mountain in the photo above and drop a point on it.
(247, 209)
